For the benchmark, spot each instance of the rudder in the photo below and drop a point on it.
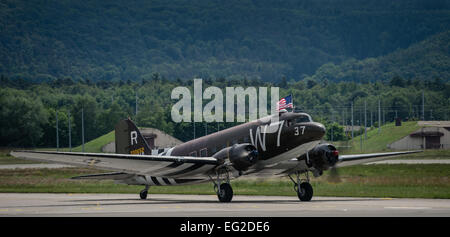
(129, 139)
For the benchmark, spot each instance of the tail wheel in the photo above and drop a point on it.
(225, 193)
(305, 192)
(143, 194)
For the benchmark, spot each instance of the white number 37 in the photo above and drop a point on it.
(297, 130)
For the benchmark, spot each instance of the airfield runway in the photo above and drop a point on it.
(40, 204)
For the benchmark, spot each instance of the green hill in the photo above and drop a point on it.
(132, 40)
(424, 60)
(377, 142)
(96, 144)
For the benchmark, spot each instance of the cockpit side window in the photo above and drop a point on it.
(288, 123)
(302, 119)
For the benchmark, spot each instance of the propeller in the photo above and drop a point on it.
(333, 176)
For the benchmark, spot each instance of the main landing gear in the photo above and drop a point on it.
(302, 187)
(144, 192)
(223, 190)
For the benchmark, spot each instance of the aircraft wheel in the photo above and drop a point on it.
(225, 193)
(305, 192)
(143, 194)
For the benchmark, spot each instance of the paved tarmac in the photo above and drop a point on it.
(44, 204)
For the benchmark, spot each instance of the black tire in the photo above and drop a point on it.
(143, 194)
(305, 193)
(225, 193)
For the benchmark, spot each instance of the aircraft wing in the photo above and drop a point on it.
(347, 160)
(137, 164)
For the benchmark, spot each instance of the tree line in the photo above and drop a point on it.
(28, 110)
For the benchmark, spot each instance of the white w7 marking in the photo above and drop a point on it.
(262, 141)
(258, 135)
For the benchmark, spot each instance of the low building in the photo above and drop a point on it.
(156, 139)
(432, 135)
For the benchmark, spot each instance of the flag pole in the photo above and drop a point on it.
(293, 106)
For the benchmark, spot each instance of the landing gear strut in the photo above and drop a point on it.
(302, 187)
(223, 190)
(144, 192)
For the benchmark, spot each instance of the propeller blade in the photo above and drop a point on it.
(333, 177)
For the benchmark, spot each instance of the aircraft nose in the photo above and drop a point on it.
(319, 130)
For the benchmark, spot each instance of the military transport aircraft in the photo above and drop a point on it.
(290, 146)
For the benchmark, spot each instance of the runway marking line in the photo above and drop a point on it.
(410, 208)
(91, 208)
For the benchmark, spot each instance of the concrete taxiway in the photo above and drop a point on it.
(36, 204)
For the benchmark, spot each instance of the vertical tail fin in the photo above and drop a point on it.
(129, 140)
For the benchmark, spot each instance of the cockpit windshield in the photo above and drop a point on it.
(303, 118)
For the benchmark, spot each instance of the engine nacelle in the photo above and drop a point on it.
(323, 156)
(241, 156)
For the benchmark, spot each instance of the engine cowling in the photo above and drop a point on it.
(323, 156)
(241, 156)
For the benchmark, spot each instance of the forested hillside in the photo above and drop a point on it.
(426, 60)
(64, 56)
(116, 40)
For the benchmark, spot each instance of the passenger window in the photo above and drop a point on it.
(194, 153)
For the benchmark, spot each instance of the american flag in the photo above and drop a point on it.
(285, 102)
